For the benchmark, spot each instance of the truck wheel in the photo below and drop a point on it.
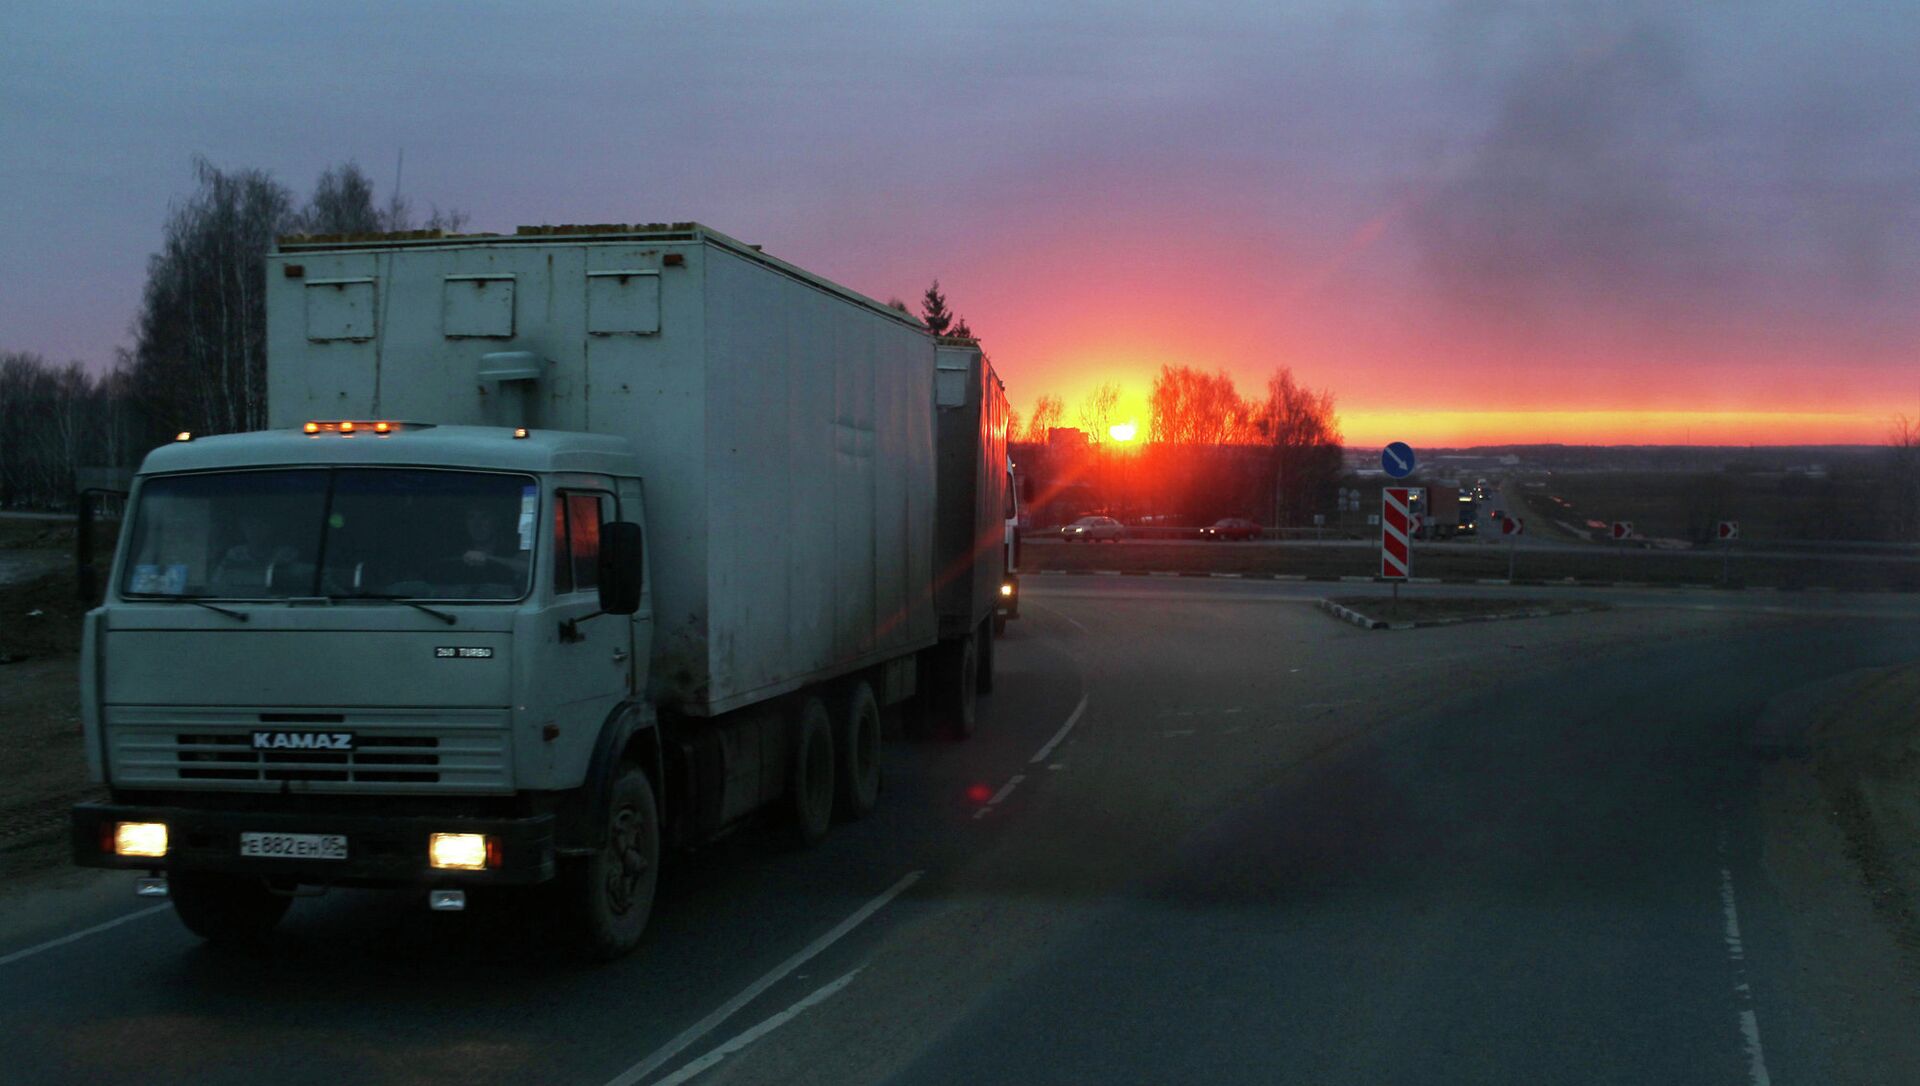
(612, 890)
(226, 910)
(984, 683)
(956, 687)
(810, 787)
(858, 745)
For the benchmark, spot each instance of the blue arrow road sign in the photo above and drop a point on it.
(1397, 458)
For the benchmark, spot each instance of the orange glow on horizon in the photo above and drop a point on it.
(1453, 429)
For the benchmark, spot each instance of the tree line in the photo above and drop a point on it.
(1209, 451)
(198, 360)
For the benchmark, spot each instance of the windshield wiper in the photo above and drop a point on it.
(199, 601)
(413, 603)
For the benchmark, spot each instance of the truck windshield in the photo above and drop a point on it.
(333, 532)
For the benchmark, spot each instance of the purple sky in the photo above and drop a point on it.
(1535, 207)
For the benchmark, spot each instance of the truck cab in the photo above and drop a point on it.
(310, 630)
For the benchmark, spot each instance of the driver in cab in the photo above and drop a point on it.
(491, 552)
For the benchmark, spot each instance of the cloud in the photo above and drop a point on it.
(1574, 198)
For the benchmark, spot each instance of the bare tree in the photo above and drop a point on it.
(52, 420)
(200, 359)
(1046, 415)
(1900, 481)
(1188, 407)
(1301, 430)
(343, 203)
(1096, 411)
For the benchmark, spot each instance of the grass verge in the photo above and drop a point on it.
(1867, 758)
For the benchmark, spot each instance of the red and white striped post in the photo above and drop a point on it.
(1396, 523)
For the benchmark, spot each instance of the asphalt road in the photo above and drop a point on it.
(1205, 834)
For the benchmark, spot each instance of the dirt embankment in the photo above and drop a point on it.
(45, 770)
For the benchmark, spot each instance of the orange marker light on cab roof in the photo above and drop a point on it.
(519, 431)
(382, 427)
(311, 427)
(346, 427)
(183, 436)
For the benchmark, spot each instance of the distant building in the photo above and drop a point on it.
(1067, 439)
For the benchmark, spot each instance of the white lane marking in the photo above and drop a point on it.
(1062, 614)
(1742, 993)
(1072, 719)
(778, 973)
(1005, 791)
(79, 935)
(743, 1040)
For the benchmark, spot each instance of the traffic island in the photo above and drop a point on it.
(1380, 613)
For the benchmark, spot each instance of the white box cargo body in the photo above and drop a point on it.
(784, 424)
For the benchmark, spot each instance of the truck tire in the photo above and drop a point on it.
(226, 910)
(857, 777)
(611, 891)
(810, 786)
(956, 687)
(984, 683)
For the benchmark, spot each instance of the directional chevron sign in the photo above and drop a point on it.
(1396, 523)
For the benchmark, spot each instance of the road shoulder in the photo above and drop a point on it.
(1838, 850)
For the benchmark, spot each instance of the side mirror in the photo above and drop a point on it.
(621, 563)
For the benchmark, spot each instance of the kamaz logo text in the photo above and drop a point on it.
(303, 740)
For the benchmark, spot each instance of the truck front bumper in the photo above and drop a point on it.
(381, 851)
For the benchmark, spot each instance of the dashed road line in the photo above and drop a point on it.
(824, 993)
(639, 1071)
(1005, 791)
(1742, 992)
(1072, 719)
(79, 935)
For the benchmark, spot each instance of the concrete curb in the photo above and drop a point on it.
(1562, 582)
(1367, 622)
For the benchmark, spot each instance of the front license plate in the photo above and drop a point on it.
(295, 846)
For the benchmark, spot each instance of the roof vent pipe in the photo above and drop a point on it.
(516, 373)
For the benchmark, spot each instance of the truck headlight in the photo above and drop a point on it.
(457, 851)
(148, 839)
(1006, 589)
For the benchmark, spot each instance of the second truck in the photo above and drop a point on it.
(567, 546)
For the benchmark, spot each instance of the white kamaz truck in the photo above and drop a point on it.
(567, 546)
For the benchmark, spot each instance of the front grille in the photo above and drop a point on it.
(394, 750)
(386, 759)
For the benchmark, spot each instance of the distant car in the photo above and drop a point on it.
(1231, 528)
(1094, 530)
